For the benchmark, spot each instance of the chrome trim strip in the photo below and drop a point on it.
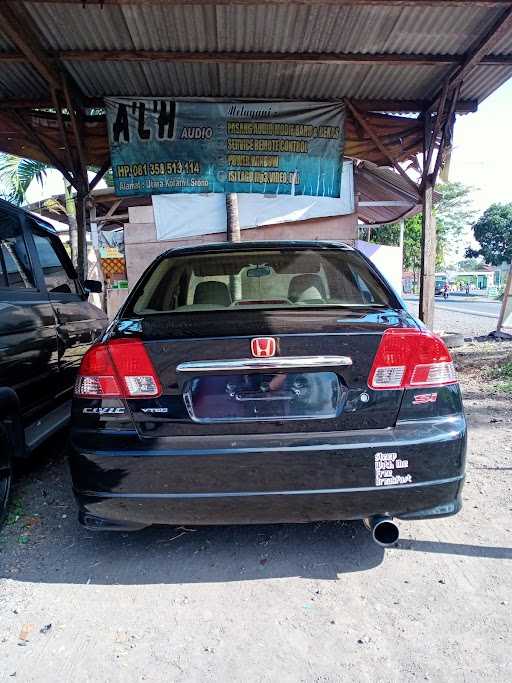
(265, 363)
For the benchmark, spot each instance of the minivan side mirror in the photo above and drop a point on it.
(93, 286)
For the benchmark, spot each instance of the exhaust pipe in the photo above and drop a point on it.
(383, 529)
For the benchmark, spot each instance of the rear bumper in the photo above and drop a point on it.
(131, 482)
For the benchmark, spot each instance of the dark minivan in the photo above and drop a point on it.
(46, 325)
(266, 382)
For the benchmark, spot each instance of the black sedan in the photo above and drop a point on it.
(266, 382)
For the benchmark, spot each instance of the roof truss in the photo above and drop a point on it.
(256, 58)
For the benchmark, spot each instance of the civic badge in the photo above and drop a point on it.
(263, 347)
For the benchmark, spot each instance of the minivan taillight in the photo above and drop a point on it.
(409, 358)
(121, 367)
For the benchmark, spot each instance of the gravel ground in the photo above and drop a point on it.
(314, 602)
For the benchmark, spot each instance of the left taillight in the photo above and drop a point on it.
(121, 367)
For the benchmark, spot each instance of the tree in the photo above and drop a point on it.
(493, 231)
(454, 214)
(470, 264)
(17, 173)
(454, 211)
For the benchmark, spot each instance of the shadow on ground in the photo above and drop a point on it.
(45, 544)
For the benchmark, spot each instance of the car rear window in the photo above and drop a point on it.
(258, 279)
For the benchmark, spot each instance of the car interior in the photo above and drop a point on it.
(251, 280)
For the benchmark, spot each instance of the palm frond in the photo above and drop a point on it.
(16, 174)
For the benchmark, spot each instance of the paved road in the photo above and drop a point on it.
(486, 308)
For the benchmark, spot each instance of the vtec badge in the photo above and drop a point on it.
(103, 411)
(263, 347)
(420, 399)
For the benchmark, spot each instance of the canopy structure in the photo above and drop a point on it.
(425, 58)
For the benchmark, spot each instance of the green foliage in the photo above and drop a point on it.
(470, 264)
(453, 213)
(16, 174)
(493, 231)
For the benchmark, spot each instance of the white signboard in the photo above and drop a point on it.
(181, 215)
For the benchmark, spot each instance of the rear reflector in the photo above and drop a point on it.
(121, 368)
(411, 358)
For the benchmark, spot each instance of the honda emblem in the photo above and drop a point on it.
(263, 347)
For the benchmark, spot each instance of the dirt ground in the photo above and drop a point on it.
(315, 602)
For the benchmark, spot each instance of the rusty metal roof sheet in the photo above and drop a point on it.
(283, 28)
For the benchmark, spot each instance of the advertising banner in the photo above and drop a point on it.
(161, 146)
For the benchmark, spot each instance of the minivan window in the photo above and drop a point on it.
(55, 274)
(259, 279)
(15, 268)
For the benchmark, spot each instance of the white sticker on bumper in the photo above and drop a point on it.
(386, 466)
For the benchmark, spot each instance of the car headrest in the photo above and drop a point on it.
(212, 292)
(306, 287)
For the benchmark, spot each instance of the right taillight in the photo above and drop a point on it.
(409, 358)
(121, 367)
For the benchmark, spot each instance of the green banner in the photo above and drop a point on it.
(163, 146)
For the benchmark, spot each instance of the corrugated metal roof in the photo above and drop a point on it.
(284, 28)
(20, 80)
(269, 28)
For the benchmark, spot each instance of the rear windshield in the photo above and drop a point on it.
(259, 279)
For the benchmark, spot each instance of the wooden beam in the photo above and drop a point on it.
(113, 209)
(62, 127)
(256, 57)
(120, 218)
(447, 134)
(99, 175)
(342, 3)
(16, 31)
(34, 136)
(379, 144)
(397, 106)
(43, 103)
(77, 133)
(500, 28)
(437, 128)
(483, 46)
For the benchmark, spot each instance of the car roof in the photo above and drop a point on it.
(257, 245)
(6, 206)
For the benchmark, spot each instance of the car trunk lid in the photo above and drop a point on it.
(212, 384)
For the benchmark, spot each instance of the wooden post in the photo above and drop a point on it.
(505, 306)
(428, 256)
(81, 220)
(401, 245)
(71, 216)
(233, 218)
(233, 235)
